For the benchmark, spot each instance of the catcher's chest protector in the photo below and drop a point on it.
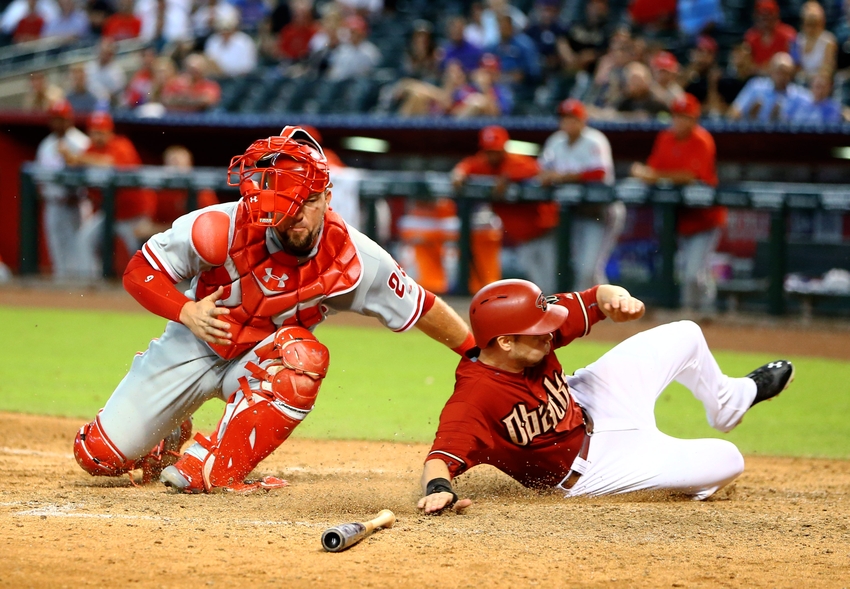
(275, 285)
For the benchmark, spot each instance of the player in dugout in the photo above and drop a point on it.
(594, 432)
(264, 272)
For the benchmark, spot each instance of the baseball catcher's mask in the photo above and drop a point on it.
(278, 174)
(513, 307)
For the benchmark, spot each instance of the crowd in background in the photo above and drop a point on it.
(624, 60)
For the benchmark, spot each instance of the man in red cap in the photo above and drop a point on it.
(528, 227)
(578, 154)
(683, 154)
(593, 433)
(665, 71)
(61, 210)
(134, 207)
(769, 35)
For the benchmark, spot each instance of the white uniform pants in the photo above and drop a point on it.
(699, 289)
(166, 384)
(537, 260)
(591, 243)
(91, 241)
(61, 220)
(627, 451)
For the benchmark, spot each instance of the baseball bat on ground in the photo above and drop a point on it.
(345, 536)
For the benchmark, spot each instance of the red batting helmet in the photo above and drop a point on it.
(277, 174)
(513, 307)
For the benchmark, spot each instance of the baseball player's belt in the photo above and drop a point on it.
(580, 464)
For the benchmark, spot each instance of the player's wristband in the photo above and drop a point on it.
(441, 485)
(467, 345)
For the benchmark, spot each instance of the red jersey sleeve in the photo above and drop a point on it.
(153, 289)
(462, 434)
(584, 312)
(706, 168)
(470, 165)
(520, 167)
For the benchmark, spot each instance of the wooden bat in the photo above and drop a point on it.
(344, 536)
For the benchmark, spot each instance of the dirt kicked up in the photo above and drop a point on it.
(784, 523)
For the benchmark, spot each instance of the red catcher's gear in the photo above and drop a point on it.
(513, 307)
(271, 284)
(254, 425)
(278, 174)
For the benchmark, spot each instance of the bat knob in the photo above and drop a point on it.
(332, 540)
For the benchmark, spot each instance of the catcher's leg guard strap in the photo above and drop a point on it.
(96, 454)
(254, 429)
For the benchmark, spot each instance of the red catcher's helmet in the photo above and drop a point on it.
(277, 174)
(513, 307)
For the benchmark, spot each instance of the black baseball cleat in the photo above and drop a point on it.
(771, 379)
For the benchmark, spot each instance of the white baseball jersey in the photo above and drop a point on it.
(48, 157)
(590, 152)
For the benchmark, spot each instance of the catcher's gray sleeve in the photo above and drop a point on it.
(385, 291)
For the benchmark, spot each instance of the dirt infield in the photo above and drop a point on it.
(784, 523)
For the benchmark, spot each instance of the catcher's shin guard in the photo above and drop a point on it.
(96, 454)
(256, 422)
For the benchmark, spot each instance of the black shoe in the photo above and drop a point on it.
(771, 379)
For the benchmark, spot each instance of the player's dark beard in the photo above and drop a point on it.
(298, 246)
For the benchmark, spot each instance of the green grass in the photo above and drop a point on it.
(385, 386)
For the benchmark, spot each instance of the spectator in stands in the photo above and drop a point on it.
(492, 28)
(653, 15)
(42, 93)
(366, 8)
(577, 154)
(421, 61)
(770, 99)
(230, 51)
(698, 17)
(355, 58)
(80, 97)
(637, 100)
(487, 95)
(529, 226)
(99, 11)
(191, 91)
(474, 30)
(18, 9)
(251, 13)
(609, 79)
(768, 36)
(822, 110)
(418, 98)
(207, 16)
(163, 75)
(665, 72)
(547, 33)
(106, 78)
(683, 154)
(165, 22)
(172, 203)
(134, 207)
(701, 74)
(138, 90)
(60, 214)
(30, 27)
(124, 24)
(518, 56)
(587, 38)
(457, 47)
(71, 24)
(740, 71)
(814, 50)
(293, 41)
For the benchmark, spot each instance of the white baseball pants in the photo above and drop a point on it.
(627, 451)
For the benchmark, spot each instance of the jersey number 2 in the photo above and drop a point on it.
(396, 284)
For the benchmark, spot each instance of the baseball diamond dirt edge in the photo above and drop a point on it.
(345, 536)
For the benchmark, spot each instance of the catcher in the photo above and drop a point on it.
(264, 271)
(592, 433)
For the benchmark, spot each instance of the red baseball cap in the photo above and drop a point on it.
(664, 60)
(686, 105)
(101, 121)
(61, 108)
(490, 62)
(707, 44)
(572, 108)
(767, 7)
(493, 138)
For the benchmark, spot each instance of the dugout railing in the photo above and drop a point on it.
(776, 198)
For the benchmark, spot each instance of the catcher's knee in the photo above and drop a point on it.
(96, 454)
(303, 364)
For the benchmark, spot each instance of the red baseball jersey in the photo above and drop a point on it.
(525, 424)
